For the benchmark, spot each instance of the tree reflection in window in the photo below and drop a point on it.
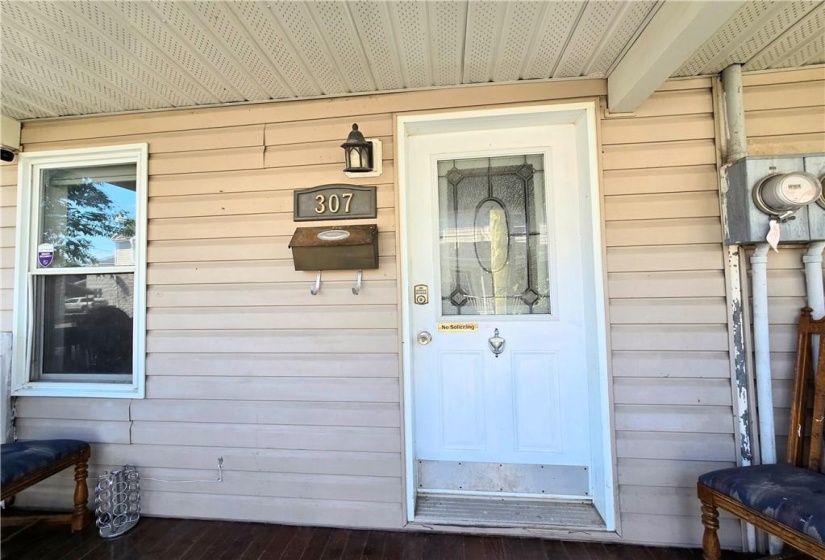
(82, 215)
(83, 319)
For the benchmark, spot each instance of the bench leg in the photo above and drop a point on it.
(710, 540)
(81, 514)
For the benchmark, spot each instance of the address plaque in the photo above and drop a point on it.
(335, 202)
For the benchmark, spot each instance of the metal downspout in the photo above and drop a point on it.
(737, 137)
(762, 351)
(814, 288)
(813, 280)
(762, 354)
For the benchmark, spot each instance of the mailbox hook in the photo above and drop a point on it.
(317, 287)
(357, 289)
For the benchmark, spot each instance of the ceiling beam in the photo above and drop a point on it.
(676, 31)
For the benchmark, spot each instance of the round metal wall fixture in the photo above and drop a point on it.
(821, 199)
(781, 194)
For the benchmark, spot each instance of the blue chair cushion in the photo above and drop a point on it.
(24, 457)
(793, 496)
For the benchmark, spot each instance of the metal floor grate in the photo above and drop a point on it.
(506, 512)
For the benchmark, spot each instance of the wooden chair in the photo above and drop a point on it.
(25, 463)
(786, 500)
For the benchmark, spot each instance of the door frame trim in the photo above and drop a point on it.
(583, 116)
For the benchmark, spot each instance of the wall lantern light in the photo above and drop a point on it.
(362, 156)
(357, 152)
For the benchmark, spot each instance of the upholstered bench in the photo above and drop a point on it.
(25, 463)
(786, 500)
(791, 496)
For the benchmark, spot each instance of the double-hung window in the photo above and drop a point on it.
(80, 291)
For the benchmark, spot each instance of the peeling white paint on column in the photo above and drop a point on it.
(738, 356)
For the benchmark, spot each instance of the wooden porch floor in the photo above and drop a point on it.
(186, 539)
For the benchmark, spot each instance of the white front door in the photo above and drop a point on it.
(494, 230)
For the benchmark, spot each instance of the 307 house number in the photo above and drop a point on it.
(333, 203)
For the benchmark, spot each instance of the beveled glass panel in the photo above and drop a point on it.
(493, 236)
(83, 323)
(88, 215)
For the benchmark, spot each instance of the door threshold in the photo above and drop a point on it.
(494, 511)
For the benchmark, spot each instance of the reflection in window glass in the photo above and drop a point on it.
(84, 324)
(88, 215)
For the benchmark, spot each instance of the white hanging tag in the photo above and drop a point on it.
(773, 235)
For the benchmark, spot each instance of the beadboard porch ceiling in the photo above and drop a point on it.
(64, 58)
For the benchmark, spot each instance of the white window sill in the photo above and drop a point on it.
(100, 390)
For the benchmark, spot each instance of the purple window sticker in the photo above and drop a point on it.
(45, 254)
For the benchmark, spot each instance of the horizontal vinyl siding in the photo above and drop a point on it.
(8, 221)
(298, 394)
(785, 112)
(785, 115)
(671, 383)
(254, 507)
(305, 113)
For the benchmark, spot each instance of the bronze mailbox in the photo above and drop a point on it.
(335, 247)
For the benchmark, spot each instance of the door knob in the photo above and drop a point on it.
(424, 338)
(496, 343)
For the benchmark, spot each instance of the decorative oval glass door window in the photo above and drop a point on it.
(493, 236)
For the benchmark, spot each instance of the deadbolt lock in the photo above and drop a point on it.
(421, 294)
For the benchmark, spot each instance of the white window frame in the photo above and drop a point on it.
(29, 177)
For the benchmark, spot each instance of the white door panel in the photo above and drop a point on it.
(461, 401)
(537, 402)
